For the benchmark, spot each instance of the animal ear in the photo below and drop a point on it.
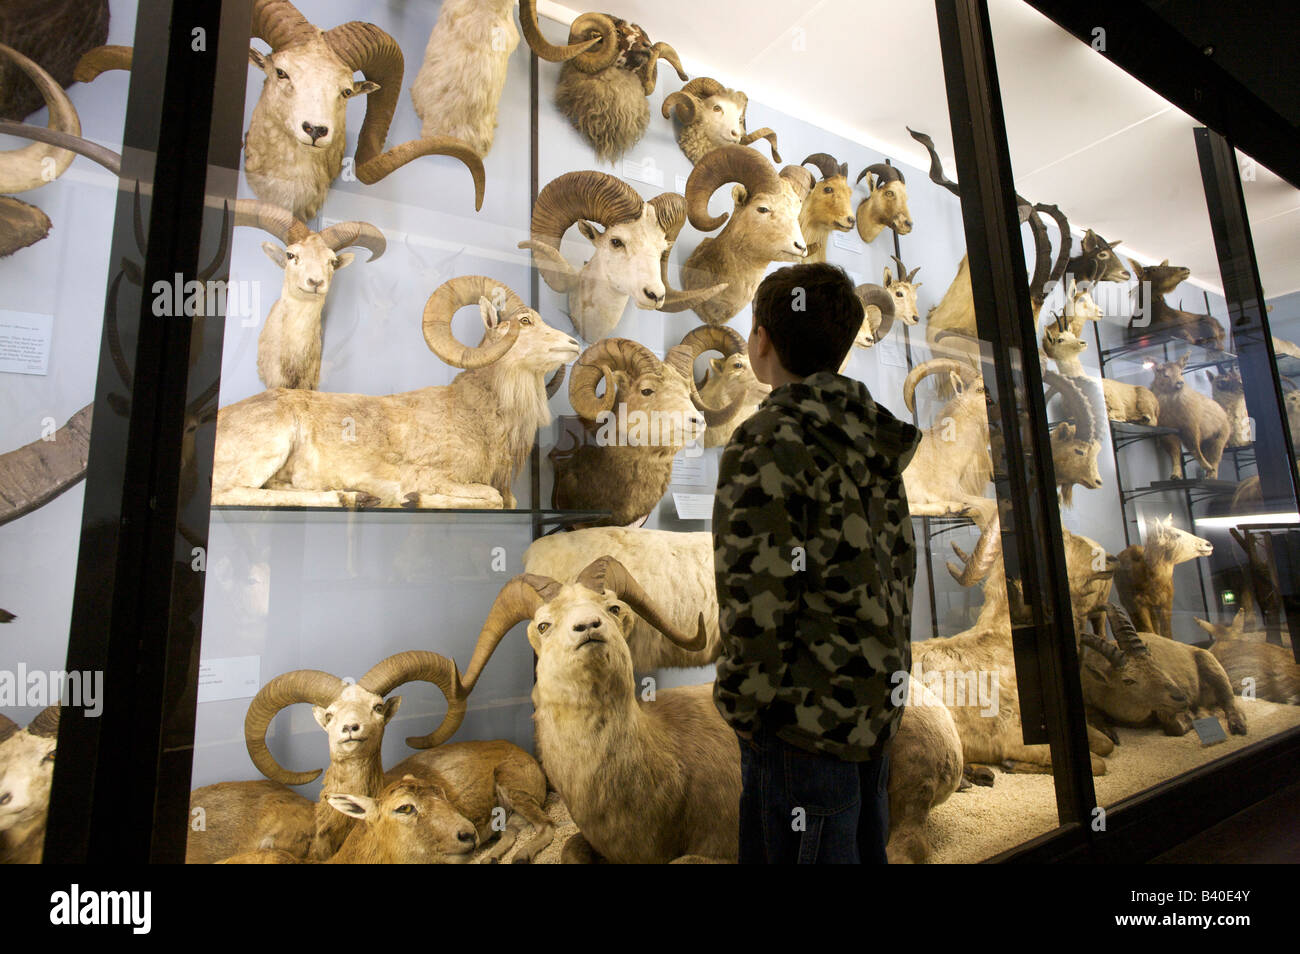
(716, 363)
(274, 252)
(1165, 263)
(739, 195)
(488, 312)
(258, 59)
(889, 277)
(354, 806)
(589, 231)
(320, 715)
(1137, 269)
(1182, 362)
(390, 708)
(1089, 239)
(344, 260)
(364, 87)
(1211, 628)
(955, 381)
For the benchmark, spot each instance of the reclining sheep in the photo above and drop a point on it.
(289, 347)
(294, 448)
(602, 89)
(763, 228)
(709, 115)
(630, 257)
(650, 410)
(648, 782)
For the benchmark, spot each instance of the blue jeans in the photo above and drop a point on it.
(803, 807)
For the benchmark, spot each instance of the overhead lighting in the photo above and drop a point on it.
(1246, 519)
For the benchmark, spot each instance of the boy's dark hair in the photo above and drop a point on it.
(812, 315)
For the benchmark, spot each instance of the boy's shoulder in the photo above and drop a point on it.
(774, 426)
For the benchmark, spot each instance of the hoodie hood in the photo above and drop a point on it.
(838, 413)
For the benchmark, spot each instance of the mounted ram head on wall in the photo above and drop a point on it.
(709, 115)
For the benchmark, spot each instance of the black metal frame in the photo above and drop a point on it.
(122, 780)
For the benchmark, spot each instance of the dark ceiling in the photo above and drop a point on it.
(1257, 42)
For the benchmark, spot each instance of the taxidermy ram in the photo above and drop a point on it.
(293, 150)
(602, 89)
(631, 254)
(458, 445)
(709, 115)
(763, 228)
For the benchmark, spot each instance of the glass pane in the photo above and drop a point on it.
(1140, 341)
(56, 214)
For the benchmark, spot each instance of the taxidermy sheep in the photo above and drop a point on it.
(602, 89)
(709, 115)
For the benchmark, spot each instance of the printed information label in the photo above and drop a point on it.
(231, 677)
(25, 342)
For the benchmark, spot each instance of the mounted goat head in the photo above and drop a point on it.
(886, 203)
(829, 206)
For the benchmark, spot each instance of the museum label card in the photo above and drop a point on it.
(1210, 731)
(25, 342)
(230, 677)
(693, 506)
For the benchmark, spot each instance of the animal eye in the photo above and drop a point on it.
(405, 809)
(290, 256)
(889, 193)
(525, 320)
(281, 73)
(49, 757)
(738, 365)
(334, 263)
(646, 392)
(764, 209)
(616, 243)
(898, 294)
(717, 108)
(345, 92)
(1103, 254)
(614, 609)
(378, 707)
(543, 627)
(828, 190)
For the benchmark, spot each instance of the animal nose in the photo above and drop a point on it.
(466, 836)
(852, 221)
(907, 222)
(6, 798)
(800, 246)
(650, 293)
(315, 282)
(590, 624)
(352, 727)
(316, 132)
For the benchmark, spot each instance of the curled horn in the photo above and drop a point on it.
(1125, 634)
(884, 174)
(361, 234)
(1063, 252)
(681, 357)
(1077, 405)
(978, 565)
(765, 133)
(684, 104)
(22, 170)
(46, 723)
(372, 51)
(933, 366)
(454, 295)
(518, 600)
(93, 151)
(603, 38)
(8, 728)
(597, 196)
(871, 294)
(380, 166)
(553, 385)
(936, 167)
(599, 361)
(279, 23)
(606, 573)
(281, 223)
(719, 166)
(670, 209)
(800, 178)
(102, 59)
(420, 666)
(827, 165)
(1112, 653)
(650, 75)
(302, 685)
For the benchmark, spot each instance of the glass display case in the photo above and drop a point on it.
(405, 371)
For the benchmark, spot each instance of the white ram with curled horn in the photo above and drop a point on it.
(457, 445)
(609, 69)
(293, 150)
(631, 254)
(289, 347)
(763, 227)
(650, 410)
(709, 115)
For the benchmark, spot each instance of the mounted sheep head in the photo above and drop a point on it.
(710, 115)
(309, 259)
(294, 147)
(727, 380)
(886, 203)
(764, 226)
(828, 206)
(27, 768)
(631, 254)
(610, 67)
(649, 402)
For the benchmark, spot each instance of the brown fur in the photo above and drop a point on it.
(53, 33)
(248, 816)
(1164, 317)
(608, 108)
(1203, 426)
(1144, 575)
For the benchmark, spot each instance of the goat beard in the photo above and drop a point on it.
(608, 108)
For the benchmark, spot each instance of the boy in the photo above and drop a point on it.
(814, 563)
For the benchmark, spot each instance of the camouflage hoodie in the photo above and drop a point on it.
(814, 562)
